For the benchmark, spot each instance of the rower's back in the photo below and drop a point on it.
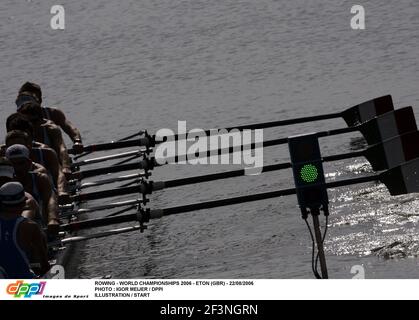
(14, 259)
(22, 242)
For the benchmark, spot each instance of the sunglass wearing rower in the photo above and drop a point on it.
(45, 131)
(32, 90)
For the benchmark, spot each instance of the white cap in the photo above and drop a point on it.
(17, 151)
(12, 193)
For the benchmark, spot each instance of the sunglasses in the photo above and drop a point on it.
(23, 99)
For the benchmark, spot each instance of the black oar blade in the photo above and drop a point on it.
(393, 152)
(402, 179)
(389, 125)
(367, 110)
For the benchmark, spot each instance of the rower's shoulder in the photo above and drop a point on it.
(29, 226)
(56, 114)
(41, 175)
(40, 168)
(52, 127)
(29, 197)
(39, 145)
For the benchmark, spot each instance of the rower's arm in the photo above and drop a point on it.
(49, 200)
(54, 167)
(68, 127)
(31, 207)
(39, 249)
(59, 146)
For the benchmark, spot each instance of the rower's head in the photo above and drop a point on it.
(18, 121)
(18, 137)
(7, 172)
(18, 155)
(33, 111)
(12, 197)
(33, 88)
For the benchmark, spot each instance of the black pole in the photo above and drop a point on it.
(242, 172)
(108, 193)
(315, 212)
(125, 190)
(269, 143)
(112, 169)
(271, 124)
(120, 140)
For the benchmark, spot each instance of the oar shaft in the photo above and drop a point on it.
(113, 205)
(106, 158)
(141, 188)
(220, 175)
(256, 197)
(232, 149)
(242, 172)
(272, 124)
(141, 142)
(134, 177)
(139, 133)
(113, 169)
(74, 226)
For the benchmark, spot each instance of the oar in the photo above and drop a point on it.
(399, 180)
(352, 116)
(374, 131)
(69, 213)
(378, 129)
(134, 176)
(139, 133)
(144, 164)
(107, 158)
(382, 156)
(95, 236)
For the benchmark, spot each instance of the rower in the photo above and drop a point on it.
(22, 242)
(46, 157)
(37, 184)
(20, 122)
(54, 114)
(45, 131)
(7, 174)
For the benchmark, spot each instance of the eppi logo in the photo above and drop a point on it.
(21, 289)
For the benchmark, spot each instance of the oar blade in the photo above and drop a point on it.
(389, 125)
(368, 110)
(403, 179)
(393, 152)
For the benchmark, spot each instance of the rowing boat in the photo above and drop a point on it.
(399, 169)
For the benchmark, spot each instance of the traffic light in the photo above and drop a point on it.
(308, 172)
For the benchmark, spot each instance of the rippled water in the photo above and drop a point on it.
(126, 65)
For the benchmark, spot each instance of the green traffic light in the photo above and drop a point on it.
(309, 173)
